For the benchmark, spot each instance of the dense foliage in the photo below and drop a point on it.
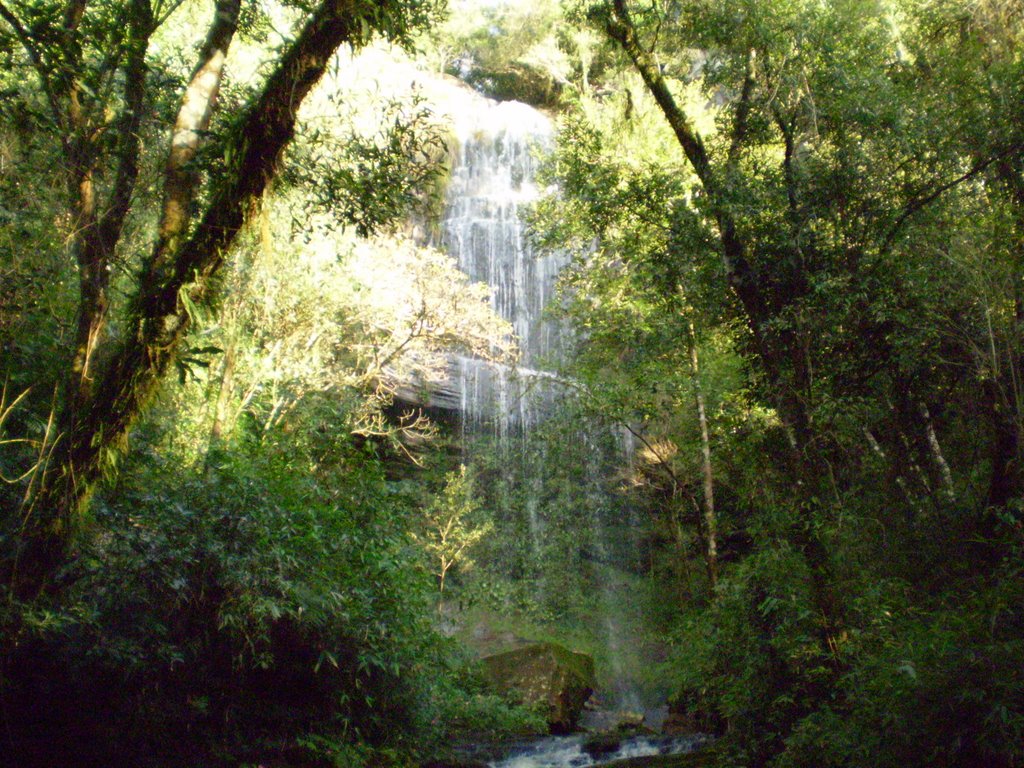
(214, 564)
(825, 199)
(784, 485)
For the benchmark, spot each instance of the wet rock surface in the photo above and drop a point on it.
(599, 720)
(545, 674)
(578, 751)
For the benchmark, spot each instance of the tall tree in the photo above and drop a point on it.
(816, 176)
(846, 180)
(98, 77)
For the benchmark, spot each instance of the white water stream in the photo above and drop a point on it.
(576, 752)
(493, 180)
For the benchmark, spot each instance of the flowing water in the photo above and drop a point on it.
(493, 182)
(579, 752)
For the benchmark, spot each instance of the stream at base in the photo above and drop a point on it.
(584, 751)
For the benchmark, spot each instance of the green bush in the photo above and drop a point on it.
(752, 659)
(265, 595)
(932, 682)
(916, 680)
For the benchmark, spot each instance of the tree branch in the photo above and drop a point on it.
(620, 28)
(141, 26)
(739, 131)
(36, 57)
(918, 203)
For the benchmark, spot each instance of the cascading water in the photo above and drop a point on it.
(574, 752)
(493, 181)
(493, 178)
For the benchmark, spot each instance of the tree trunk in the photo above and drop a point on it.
(176, 277)
(710, 521)
(935, 451)
(1006, 395)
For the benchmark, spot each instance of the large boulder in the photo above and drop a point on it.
(554, 678)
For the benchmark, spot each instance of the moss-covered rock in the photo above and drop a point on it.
(699, 759)
(547, 675)
(601, 744)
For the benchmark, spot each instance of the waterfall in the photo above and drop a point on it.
(493, 181)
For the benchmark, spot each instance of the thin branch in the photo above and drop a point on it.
(739, 131)
(918, 203)
(36, 57)
(161, 15)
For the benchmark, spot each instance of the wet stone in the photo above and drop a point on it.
(545, 674)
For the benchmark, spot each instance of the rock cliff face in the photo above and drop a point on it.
(547, 675)
(492, 181)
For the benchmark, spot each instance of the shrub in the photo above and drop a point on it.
(225, 610)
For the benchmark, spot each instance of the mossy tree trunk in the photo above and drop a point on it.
(109, 379)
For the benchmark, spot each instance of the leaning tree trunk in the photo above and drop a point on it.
(775, 351)
(177, 275)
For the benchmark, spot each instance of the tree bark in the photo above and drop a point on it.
(935, 451)
(710, 520)
(192, 122)
(177, 276)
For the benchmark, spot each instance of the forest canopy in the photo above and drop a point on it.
(781, 441)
